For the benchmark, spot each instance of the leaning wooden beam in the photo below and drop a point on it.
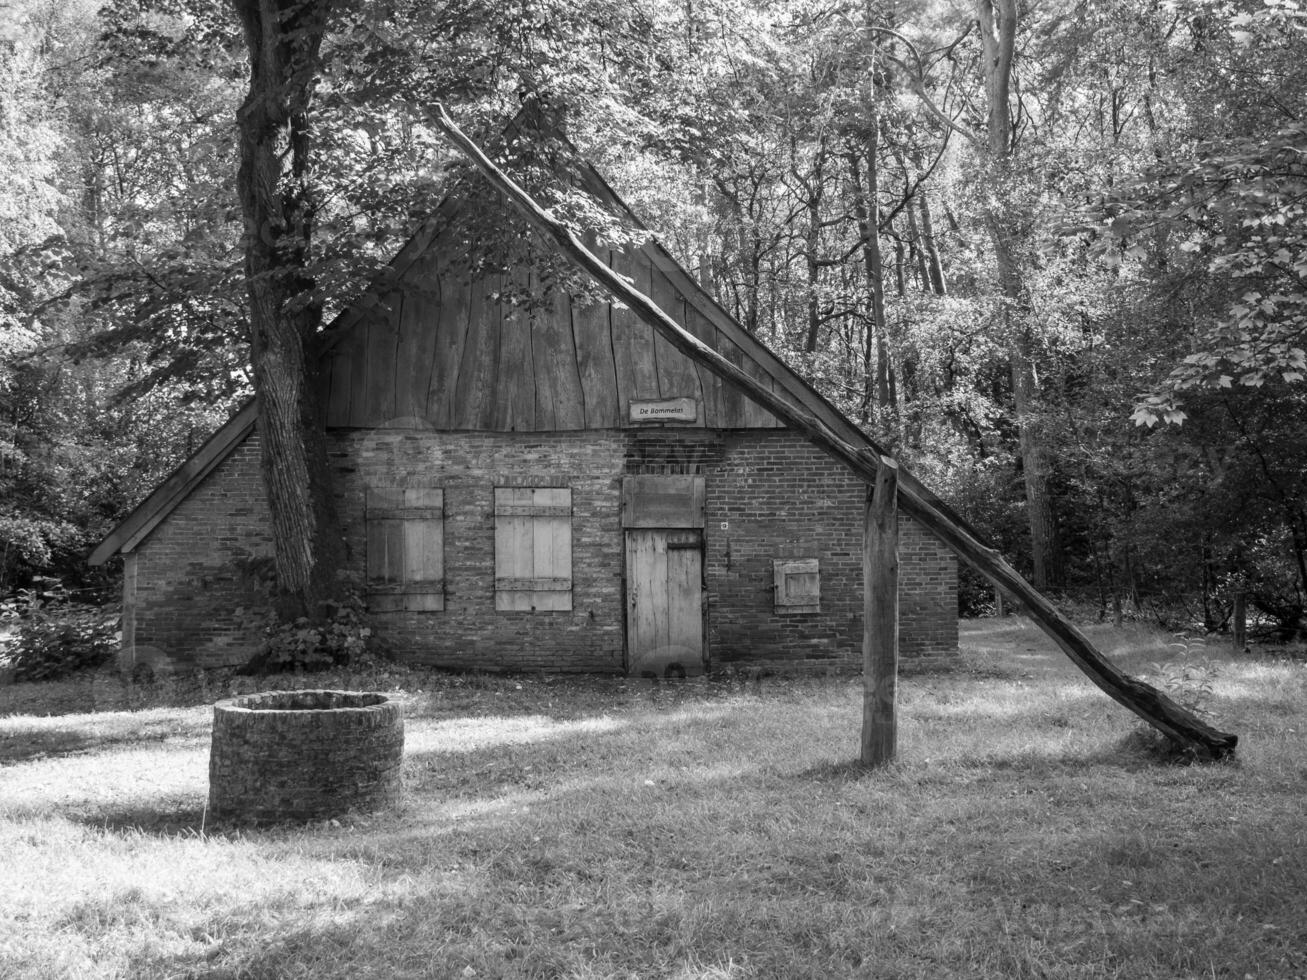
(1154, 707)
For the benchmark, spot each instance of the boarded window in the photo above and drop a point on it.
(533, 548)
(798, 585)
(406, 549)
(662, 501)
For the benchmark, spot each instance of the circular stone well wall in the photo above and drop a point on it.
(304, 755)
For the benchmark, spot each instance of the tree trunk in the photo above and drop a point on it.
(284, 37)
(813, 244)
(933, 265)
(1036, 467)
(866, 210)
(998, 24)
(918, 251)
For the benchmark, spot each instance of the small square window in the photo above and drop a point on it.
(798, 585)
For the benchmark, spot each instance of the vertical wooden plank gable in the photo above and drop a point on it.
(560, 398)
(358, 344)
(757, 417)
(336, 380)
(633, 348)
(514, 379)
(677, 374)
(646, 351)
(593, 340)
(620, 325)
(420, 327)
(709, 384)
(474, 402)
(733, 401)
(382, 359)
(440, 348)
(451, 336)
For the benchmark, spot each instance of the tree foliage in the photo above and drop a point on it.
(1105, 248)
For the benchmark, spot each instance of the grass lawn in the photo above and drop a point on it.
(595, 828)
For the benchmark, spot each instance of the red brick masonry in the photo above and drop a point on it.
(770, 495)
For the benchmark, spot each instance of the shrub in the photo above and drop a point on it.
(57, 637)
(1188, 677)
(309, 646)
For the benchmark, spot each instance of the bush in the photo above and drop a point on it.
(309, 646)
(57, 637)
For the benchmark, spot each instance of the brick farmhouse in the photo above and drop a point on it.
(547, 486)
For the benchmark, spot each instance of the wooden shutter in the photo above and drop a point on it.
(663, 501)
(406, 549)
(533, 548)
(798, 585)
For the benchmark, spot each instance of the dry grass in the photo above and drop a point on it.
(599, 828)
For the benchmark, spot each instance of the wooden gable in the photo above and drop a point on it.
(460, 356)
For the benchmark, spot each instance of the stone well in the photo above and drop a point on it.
(304, 755)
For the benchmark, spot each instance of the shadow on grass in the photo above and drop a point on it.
(1157, 894)
(541, 759)
(519, 746)
(28, 745)
(26, 739)
(183, 819)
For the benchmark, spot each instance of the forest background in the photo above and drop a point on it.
(1053, 255)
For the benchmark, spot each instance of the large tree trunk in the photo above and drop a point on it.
(284, 37)
(998, 25)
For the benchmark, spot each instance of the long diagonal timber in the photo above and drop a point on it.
(1154, 707)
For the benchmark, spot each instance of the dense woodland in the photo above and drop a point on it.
(1051, 254)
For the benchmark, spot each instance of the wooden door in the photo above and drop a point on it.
(664, 603)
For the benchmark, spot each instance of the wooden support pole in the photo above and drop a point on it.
(880, 612)
(1150, 704)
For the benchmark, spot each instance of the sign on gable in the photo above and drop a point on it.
(664, 410)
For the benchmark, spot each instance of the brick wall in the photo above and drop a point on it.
(194, 600)
(468, 466)
(774, 495)
(770, 495)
